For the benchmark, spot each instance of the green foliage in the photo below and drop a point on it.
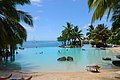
(71, 46)
(102, 6)
(99, 44)
(115, 38)
(109, 41)
(100, 33)
(116, 19)
(11, 31)
(89, 31)
(70, 33)
(94, 43)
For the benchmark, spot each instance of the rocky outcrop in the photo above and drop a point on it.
(107, 58)
(116, 62)
(69, 58)
(61, 59)
(118, 56)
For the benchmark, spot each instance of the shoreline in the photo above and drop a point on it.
(114, 49)
(111, 74)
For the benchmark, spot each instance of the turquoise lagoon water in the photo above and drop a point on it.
(43, 58)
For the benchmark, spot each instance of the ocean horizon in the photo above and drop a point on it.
(42, 43)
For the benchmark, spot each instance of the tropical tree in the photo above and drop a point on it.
(12, 32)
(114, 38)
(89, 33)
(102, 6)
(68, 31)
(70, 34)
(63, 37)
(101, 33)
(77, 33)
(116, 19)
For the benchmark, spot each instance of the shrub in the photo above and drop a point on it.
(98, 45)
(94, 43)
(71, 46)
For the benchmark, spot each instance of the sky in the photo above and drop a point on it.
(49, 17)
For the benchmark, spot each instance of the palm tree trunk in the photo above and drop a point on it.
(79, 41)
(0, 54)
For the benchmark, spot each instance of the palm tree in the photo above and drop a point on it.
(12, 32)
(116, 19)
(77, 33)
(101, 33)
(68, 31)
(90, 29)
(101, 6)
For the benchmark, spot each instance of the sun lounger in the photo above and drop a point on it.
(5, 78)
(93, 68)
(25, 79)
(22, 78)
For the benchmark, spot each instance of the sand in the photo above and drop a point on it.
(112, 74)
(114, 49)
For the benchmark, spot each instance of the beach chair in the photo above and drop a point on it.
(5, 78)
(26, 79)
(93, 68)
(22, 78)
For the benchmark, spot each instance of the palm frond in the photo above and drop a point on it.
(19, 2)
(101, 7)
(7, 10)
(25, 17)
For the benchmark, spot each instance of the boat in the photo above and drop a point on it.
(116, 62)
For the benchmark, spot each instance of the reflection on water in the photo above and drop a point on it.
(45, 58)
(10, 66)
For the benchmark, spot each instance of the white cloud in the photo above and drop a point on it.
(38, 5)
(36, 18)
(36, 2)
(86, 26)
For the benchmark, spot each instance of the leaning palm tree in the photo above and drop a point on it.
(116, 19)
(101, 6)
(12, 32)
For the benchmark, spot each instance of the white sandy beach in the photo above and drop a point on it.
(115, 49)
(85, 75)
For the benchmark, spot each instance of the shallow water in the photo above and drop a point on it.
(44, 59)
(42, 56)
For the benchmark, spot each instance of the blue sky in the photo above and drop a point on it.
(49, 17)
